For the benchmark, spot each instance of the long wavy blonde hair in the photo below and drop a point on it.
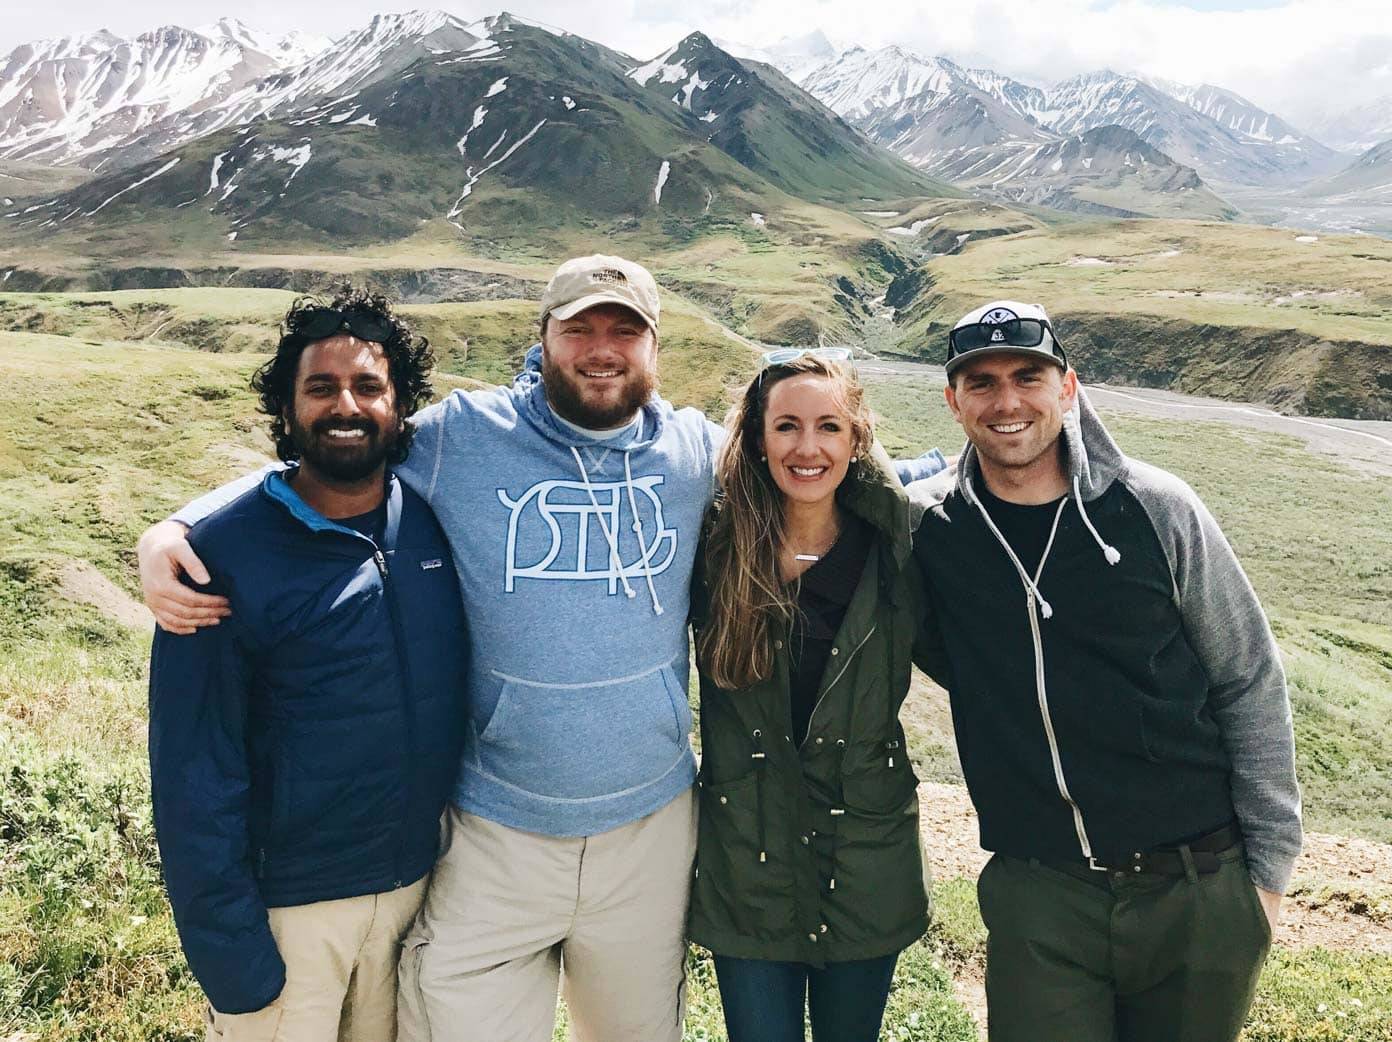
(747, 531)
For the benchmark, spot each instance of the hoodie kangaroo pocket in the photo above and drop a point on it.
(586, 741)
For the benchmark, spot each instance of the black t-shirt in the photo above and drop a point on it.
(1025, 527)
(824, 592)
(371, 524)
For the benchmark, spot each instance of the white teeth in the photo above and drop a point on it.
(807, 472)
(603, 373)
(354, 433)
(1008, 428)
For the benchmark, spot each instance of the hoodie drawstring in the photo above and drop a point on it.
(638, 531)
(1111, 553)
(611, 538)
(1045, 610)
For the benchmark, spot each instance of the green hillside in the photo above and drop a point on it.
(1236, 311)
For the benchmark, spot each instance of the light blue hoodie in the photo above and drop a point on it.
(574, 557)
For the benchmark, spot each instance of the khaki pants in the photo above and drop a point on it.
(340, 972)
(510, 913)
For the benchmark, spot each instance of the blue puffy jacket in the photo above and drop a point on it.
(303, 749)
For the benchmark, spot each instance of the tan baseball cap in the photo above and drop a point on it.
(583, 282)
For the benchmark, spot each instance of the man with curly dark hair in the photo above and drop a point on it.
(302, 751)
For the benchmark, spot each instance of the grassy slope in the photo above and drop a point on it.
(98, 439)
(1223, 274)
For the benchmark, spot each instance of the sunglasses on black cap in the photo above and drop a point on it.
(320, 323)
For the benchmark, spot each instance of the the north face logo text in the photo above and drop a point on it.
(609, 275)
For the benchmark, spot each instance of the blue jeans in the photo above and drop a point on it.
(764, 1000)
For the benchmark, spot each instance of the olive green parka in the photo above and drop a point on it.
(812, 854)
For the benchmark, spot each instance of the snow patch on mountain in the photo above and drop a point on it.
(662, 174)
(130, 188)
(658, 67)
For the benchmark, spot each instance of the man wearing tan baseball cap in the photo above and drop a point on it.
(583, 282)
(572, 502)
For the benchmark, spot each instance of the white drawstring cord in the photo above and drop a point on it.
(1046, 610)
(1111, 553)
(609, 537)
(638, 531)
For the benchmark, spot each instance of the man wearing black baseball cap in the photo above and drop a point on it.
(1120, 709)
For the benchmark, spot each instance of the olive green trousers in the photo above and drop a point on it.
(1107, 957)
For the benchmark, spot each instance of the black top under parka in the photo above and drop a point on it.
(811, 853)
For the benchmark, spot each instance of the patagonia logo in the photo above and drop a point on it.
(609, 275)
(434, 562)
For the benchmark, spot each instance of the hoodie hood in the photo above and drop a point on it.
(533, 404)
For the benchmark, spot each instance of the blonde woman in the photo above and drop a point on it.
(809, 878)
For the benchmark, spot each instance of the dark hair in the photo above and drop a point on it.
(409, 362)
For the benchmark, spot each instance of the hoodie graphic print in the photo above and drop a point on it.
(574, 556)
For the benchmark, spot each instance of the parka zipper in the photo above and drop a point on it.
(827, 690)
(760, 759)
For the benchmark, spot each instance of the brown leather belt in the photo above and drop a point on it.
(1201, 852)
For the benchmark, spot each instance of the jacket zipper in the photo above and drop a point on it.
(1043, 695)
(827, 690)
(408, 710)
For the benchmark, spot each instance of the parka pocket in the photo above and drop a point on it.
(879, 789)
(739, 887)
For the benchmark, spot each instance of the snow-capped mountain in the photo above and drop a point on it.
(104, 102)
(1224, 137)
(1215, 131)
(69, 100)
(753, 113)
(494, 127)
(1106, 170)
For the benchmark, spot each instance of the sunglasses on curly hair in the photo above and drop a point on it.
(321, 323)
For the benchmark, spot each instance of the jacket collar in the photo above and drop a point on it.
(276, 487)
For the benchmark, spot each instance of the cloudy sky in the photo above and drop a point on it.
(1299, 58)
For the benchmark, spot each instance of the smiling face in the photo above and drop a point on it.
(1011, 407)
(599, 366)
(808, 437)
(343, 417)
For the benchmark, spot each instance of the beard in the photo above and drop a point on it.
(339, 461)
(567, 396)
